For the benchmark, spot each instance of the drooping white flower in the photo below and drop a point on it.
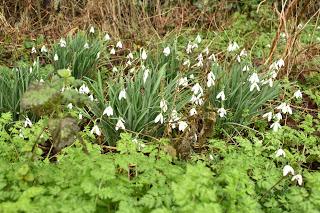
(267, 115)
(163, 105)
(200, 60)
(98, 55)
(182, 125)
(27, 122)
(91, 30)
(130, 56)
(287, 169)
(210, 79)
(63, 42)
(108, 111)
(277, 116)
(95, 130)
(243, 52)
(232, 46)
(119, 45)
(80, 116)
(280, 152)
(159, 118)
(112, 51)
(254, 78)
(268, 81)
(44, 49)
(280, 63)
(183, 81)
(210, 157)
(192, 112)
(297, 94)
(198, 39)
(285, 108)
(122, 95)
(30, 70)
(275, 126)
(120, 124)
(107, 37)
(144, 55)
(145, 75)
(166, 51)
(91, 97)
(56, 57)
(84, 89)
(254, 85)
(189, 48)
(197, 99)
(186, 63)
(33, 50)
(197, 89)
(298, 178)
(206, 51)
(245, 68)
(191, 76)
(70, 106)
(41, 80)
(222, 112)
(221, 95)
(86, 46)
(114, 69)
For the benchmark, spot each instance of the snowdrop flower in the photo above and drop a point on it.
(145, 75)
(30, 69)
(114, 69)
(254, 78)
(91, 97)
(91, 30)
(222, 112)
(193, 112)
(197, 89)
(210, 157)
(44, 49)
(212, 57)
(280, 152)
(119, 45)
(280, 63)
(84, 89)
(95, 130)
(191, 76)
(189, 48)
(200, 60)
(108, 111)
(206, 51)
(41, 80)
(287, 169)
(130, 56)
(277, 116)
(282, 35)
(245, 68)
(267, 115)
(298, 178)
(159, 118)
(56, 57)
(186, 63)
(183, 82)
(232, 46)
(98, 55)
(275, 126)
(86, 46)
(129, 63)
(297, 94)
(269, 81)
(166, 51)
(285, 108)
(182, 125)
(144, 55)
(221, 95)
(70, 106)
(33, 50)
(120, 124)
(80, 116)
(198, 39)
(210, 79)
(122, 95)
(163, 105)
(254, 85)
(27, 122)
(243, 52)
(198, 100)
(106, 37)
(112, 51)
(63, 42)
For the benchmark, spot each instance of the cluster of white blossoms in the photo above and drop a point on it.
(197, 97)
(254, 80)
(163, 109)
(176, 122)
(288, 169)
